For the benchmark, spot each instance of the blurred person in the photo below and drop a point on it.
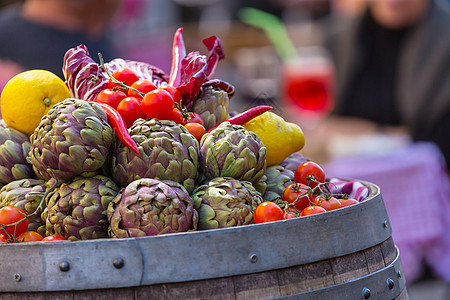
(393, 68)
(35, 34)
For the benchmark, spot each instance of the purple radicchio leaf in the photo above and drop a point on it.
(196, 69)
(84, 77)
(142, 70)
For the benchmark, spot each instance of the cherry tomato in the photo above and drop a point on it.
(312, 169)
(298, 190)
(2, 238)
(312, 210)
(29, 236)
(142, 85)
(196, 129)
(130, 110)
(193, 117)
(10, 215)
(110, 97)
(176, 116)
(158, 104)
(288, 216)
(348, 202)
(125, 75)
(267, 212)
(328, 204)
(54, 237)
(174, 92)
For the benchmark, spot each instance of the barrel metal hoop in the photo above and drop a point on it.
(382, 284)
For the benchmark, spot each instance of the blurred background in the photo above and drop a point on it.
(269, 50)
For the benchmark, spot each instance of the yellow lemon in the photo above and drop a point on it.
(281, 138)
(28, 96)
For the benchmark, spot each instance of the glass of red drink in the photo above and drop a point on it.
(307, 84)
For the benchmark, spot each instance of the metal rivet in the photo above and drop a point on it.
(399, 273)
(118, 263)
(366, 293)
(64, 266)
(17, 277)
(253, 258)
(390, 283)
(385, 224)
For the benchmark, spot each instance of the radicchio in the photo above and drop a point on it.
(85, 78)
(196, 70)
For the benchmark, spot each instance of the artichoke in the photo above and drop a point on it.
(278, 178)
(293, 161)
(77, 209)
(225, 202)
(212, 106)
(232, 151)
(26, 194)
(167, 152)
(14, 147)
(72, 139)
(150, 207)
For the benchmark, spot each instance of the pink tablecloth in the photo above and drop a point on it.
(415, 187)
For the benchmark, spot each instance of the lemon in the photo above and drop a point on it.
(28, 96)
(281, 138)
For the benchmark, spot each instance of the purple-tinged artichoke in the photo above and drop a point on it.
(212, 106)
(77, 209)
(225, 202)
(26, 194)
(278, 178)
(167, 152)
(149, 207)
(293, 161)
(232, 151)
(72, 139)
(14, 147)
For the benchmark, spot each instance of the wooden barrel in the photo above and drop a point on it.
(343, 254)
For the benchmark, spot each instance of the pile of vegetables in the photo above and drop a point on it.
(136, 152)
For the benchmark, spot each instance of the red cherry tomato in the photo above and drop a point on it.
(288, 216)
(158, 104)
(328, 204)
(176, 116)
(2, 238)
(193, 117)
(10, 215)
(312, 210)
(142, 85)
(312, 169)
(348, 202)
(301, 191)
(125, 75)
(196, 129)
(110, 97)
(29, 236)
(130, 110)
(267, 212)
(174, 92)
(54, 237)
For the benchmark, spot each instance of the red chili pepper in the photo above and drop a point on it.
(246, 116)
(178, 53)
(117, 123)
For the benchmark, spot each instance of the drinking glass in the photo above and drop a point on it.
(307, 84)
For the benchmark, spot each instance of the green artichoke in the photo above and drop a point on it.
(149, 207)
(167, 152)
(26, 194)
(225, 202)
(14, 147)
(278, 178)
(212, 106)
(232, 151)
(72, 139)
(77, 209)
